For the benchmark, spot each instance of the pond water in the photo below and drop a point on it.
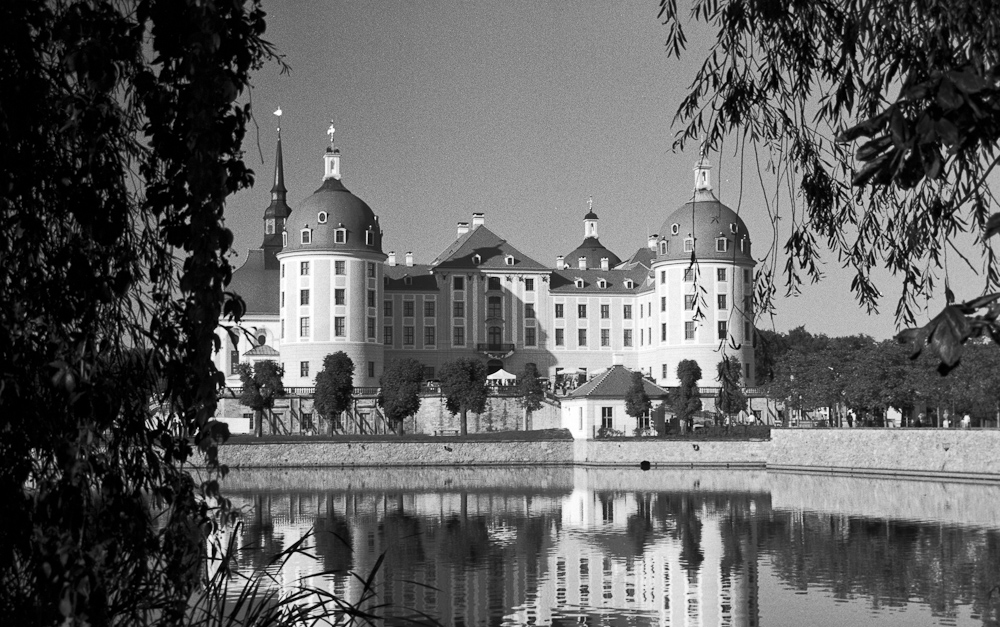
(555, 546)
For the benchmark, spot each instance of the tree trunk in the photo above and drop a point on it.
(258, 426)
(464, 420)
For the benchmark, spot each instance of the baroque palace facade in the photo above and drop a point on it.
(320, 283)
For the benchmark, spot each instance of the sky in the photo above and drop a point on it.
(521, 110)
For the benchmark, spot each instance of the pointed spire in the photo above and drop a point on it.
(278, 191)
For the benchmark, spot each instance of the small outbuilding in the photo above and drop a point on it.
(599, 405)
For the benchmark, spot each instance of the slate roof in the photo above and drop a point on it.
(593, 251)
(614, 383)
(642, 257)
(492, 250)
(421, 277)
(257, 284)
(564, 281)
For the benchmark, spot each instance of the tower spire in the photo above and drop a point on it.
(278, 190)
(702, 170)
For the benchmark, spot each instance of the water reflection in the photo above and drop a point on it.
(622, 547)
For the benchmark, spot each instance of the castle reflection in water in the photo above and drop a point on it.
(604, 547)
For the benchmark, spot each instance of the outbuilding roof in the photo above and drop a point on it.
(615, 383)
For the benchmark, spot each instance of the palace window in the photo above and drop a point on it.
(303, 368)
(304, 297)
(387, 308)
(605, 312)
(494, 307)
(581, 311)
(429, 336)
(304, 268)
(304, 326)
(627, 337)
(529, 285)
(458, 336)
(458, 283)
(627, 312)
(530, 337)
(720, 274)
(529, 310)
(387, 335)
(339, 326)
(340, 267)
(723, 329)
(407, 336)
(581, 337)
(560, 339)
(458, 309)
(722, 301)
(689, 330)
(428, 309)
(605, 337)
(408, 308)
(559, 310)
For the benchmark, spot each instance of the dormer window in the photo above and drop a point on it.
(476, 259)
(721, 244)
(675, 229)
(509, 260)
(579, 283)
(322, 217)
(688, 244)
(284, 238)
(340, 235)
(369, 237)
(629, 284)
(306, 236)
(743, 242)
(663, 247)
(603, 284)
(407, 280)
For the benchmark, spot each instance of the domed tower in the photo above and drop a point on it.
(703, 277)
(331, 282)
(591, 254)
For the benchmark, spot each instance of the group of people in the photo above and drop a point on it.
(922, 421)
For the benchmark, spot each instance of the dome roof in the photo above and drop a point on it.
(594, 251)
(708, 222)
(336, 219)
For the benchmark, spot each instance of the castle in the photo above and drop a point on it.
(320, 283)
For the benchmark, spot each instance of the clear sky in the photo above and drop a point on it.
(521, 110)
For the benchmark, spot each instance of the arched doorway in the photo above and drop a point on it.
(493, 365)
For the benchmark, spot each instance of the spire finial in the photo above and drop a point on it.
(278, 113)
(330, 131)
(590, 203)
(703, 148)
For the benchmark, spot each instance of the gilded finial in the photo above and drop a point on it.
(330, 131)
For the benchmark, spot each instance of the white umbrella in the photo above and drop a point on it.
(501, 375)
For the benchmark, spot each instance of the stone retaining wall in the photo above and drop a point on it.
(937, 453)
(957, 453)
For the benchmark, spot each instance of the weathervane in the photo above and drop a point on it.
(330, 131)
(590, 203)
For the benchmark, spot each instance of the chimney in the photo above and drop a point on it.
(581, 262)
(617, 359)
(604, 263)
(560, 262)
(652, 241)
(478, 220)
(392, 258)
(409, 258)
(463, 228)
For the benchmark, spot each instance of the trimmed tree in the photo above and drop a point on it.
(463, 382)
(399, 395)
(334, 387)
(531, 390)
(637, 401)
(261, 385)
(686, 401)
(730, 399)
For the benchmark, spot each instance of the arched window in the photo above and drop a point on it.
(340, 235)
(603, 284)
(579, 283)
(306, 236)
(629, 284)
(476, 259)
(663, 247)
(509, 260)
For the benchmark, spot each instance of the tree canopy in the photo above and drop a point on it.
(914, 87)
(637, 402)
(399, 394)
(685, 401)
(532, 392)
(334, 387)
(121, 135)
(262, 384)
(730, 399)
(463, 382)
